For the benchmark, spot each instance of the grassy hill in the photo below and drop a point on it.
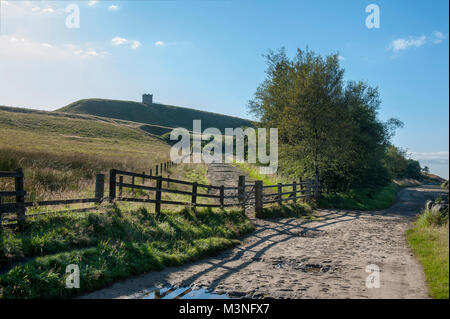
(60, 152)
(155, 114)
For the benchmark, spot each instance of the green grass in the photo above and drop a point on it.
(361, 199)
(109, 246)
(287, 211)
(61, 153)
(253, 173)
(156, 114)
(429, 240)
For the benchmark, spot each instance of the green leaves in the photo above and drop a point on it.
(327, 127)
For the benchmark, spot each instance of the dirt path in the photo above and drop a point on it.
(293, 258)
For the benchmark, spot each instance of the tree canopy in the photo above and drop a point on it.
(328, 128)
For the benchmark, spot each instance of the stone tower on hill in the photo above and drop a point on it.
(147, 98)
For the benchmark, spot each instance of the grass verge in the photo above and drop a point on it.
(361, 199)
(287, 211)
(109, 246)
(429, 240)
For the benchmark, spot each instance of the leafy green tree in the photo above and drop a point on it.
(327, 128)
(413, 169)
(395, 161)
(301, 97)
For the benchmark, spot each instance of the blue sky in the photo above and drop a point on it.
(208, 55)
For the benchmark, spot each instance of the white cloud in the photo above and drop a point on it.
(48, 10)
(431, 157)
(25, 9)
(160, 43)
(92, 3)
(134, 44)
(18, 46)
(404, 44)
(118, 41)
(113, 7)
(438, 37)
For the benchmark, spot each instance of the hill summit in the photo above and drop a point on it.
(153, 113)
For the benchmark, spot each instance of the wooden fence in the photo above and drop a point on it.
(244, 195)
(19, 206)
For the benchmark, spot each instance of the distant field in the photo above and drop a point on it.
(156, 114)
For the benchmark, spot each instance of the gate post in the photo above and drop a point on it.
(112, 184)
(294, 189)
(99, 187)
(222, 194)
(280, 187)
(194, 195)
(20, 198)
(158, 195)
(258, 197)
(241, 191)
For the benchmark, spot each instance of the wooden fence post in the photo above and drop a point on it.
(280, 188)
(158, 195)
(143, 178)
(151, 172)
(156, 170)
(194, 194)
(258, 197)
(161, 168)
(20, 198)
(241, 191)
(99, 187)
(301, 188)
(120, 185)
(294, 189)
(132, 179)
(222, 194)
(112, 184)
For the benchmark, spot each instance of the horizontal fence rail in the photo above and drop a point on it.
(19, 205)
(243, 195)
